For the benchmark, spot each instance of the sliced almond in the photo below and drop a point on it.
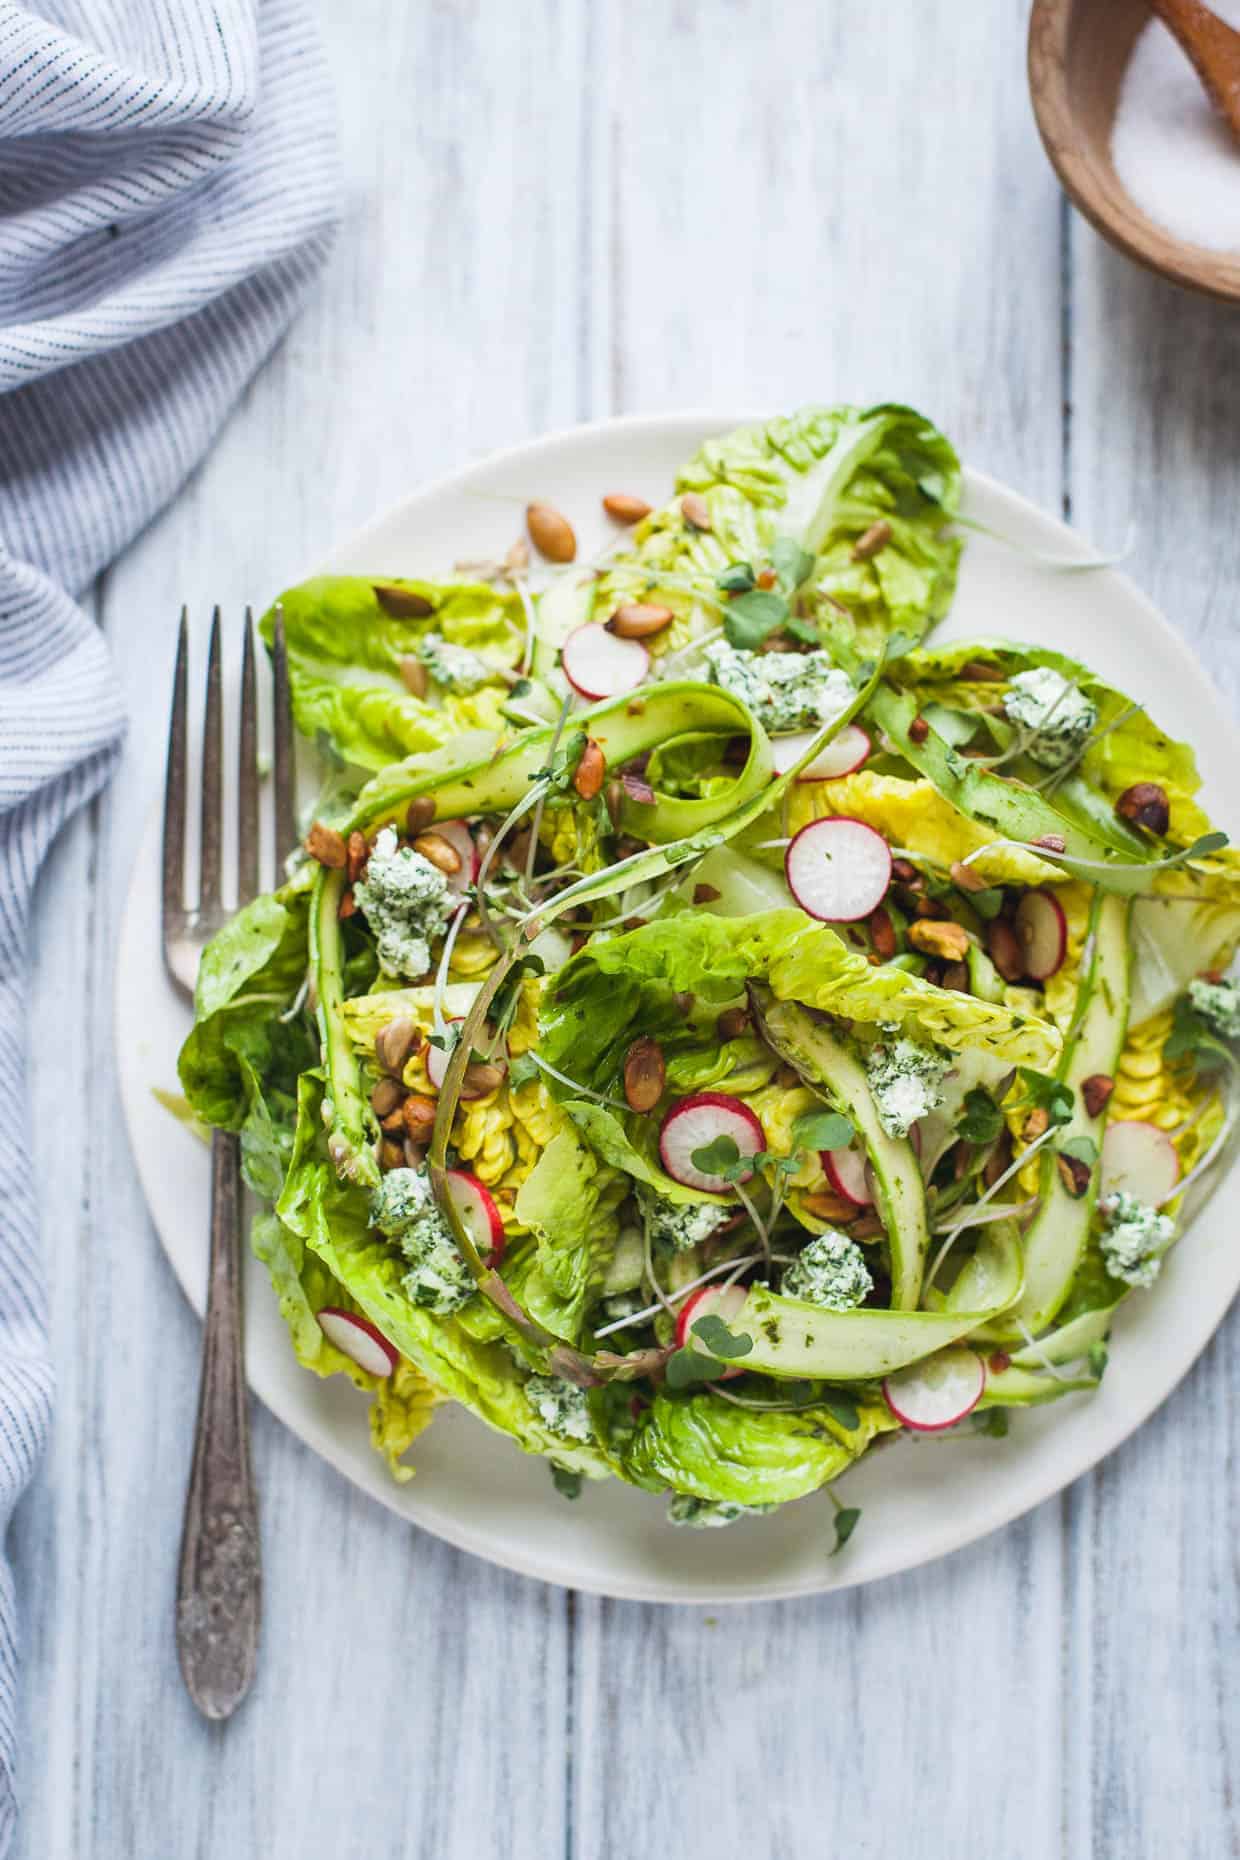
(950, 941)
(695, 511)
(441, 852)
(645, 1074)
(875, 538)
(327, 846)
(624, 508)
(414, 675)
(551, 532)
(639, 619)
(402, 603)
(590, 771)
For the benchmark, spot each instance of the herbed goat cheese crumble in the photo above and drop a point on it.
(1218, 1003)
(830, 1270)
(403, 1208)
(906, 1081)
(1055, 710)
(681, 1226)
(561, 1407)
(784, 690)
(407, 902)
(456, 668)
(1134, 1238)
(708, 1514)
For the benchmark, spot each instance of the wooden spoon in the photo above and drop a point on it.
(1214, 48)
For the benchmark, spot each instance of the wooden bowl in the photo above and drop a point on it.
(1078, 50)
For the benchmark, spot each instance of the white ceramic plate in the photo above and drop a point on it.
(473, 1487)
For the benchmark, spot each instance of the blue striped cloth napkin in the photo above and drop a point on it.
(167, 192)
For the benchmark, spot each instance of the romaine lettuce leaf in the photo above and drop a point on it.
(591, 1007)
(569, 1201)
(703, 1445)
(344, 654)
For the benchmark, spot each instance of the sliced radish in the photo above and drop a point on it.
(599, 664)
(842, 755)
(437, 1066)
(1043, 931)
(849, 1175)
(461, 840)
(693, 1124)
(937, 1392)
(724, 1302)
(473, 1202)
(357, 1338)
(1139, 1159)
(838, 870)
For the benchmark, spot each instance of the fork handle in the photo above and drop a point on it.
(219, 1581)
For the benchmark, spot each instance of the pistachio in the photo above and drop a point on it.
(904, 870)
(624, 508)
(418, 1116)
(882, 934)
(766, 579)
(645, 1074)
(395, 1042)
(977, 672)
(517, 558)
(391, 1156)
(413, 674)
(419, 814)
(1074, 1174)
(551, 532)
(402, 603)
(327, 846)
(867, 1228)
(1145, 804)
(918, 730)
(441, 852)
(956, 976)
(998, 1361)
(999, 1158)
(386, 1097)
(685, 1003)
(1003, 947)
(638, 789)
(706, 894)
(1051, 842)
(930, 907)
(695, 511)
(613, 801)
(951, 941)
(590, 771)
(827, 1207)
(875, 538)
(1096, 1091)
(967, 878)
(347, 906)
(639, 619)
(356, 851)
(732, 1024)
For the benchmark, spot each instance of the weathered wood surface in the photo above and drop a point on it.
(556, 211)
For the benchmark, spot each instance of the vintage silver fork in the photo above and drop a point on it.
(219, 1581)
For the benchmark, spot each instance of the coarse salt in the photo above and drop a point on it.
(1172, 151)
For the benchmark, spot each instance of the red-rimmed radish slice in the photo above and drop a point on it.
(726, 1302)
(437, 1066)
(849, 1175)
(1043, 932)
(599, 664)
(357, 1338)
(693, 1124)
(1139, 1159)
(839, 869)
(461, 840)
(473, 1202)
(937, 1392)
(842, 755)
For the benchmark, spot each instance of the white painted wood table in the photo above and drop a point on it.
(558, 209)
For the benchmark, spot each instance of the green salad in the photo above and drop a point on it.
(710, 1029)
